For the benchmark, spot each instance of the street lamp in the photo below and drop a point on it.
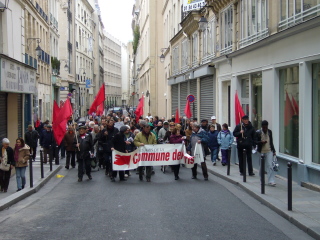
(4, 6)
(162, 57)
(84, 71)
(203, 24)
(66, 67)
(38, 49)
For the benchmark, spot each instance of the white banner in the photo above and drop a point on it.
(156, 155)
(189, 5)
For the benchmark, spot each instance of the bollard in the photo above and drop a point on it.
(229, 157)
(244, 165)
(289, 186)
(41, 164)
(50, 158)
(262, 174)
(30, 171)
(56, 155)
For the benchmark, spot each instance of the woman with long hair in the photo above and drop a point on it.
(21, 156)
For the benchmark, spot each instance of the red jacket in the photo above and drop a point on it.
(175, 139)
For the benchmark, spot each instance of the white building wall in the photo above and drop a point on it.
(124, 74)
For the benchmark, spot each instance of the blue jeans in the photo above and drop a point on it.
(21, 177)
(214, 154)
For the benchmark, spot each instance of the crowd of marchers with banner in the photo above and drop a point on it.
(128, 141)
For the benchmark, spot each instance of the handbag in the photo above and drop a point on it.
(275, 164)
(4, 166)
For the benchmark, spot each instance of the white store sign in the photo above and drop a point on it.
(190, 5)
(17, 78)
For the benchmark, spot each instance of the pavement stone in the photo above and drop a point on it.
(305, 202)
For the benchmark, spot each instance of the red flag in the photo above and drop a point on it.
(56, 111)
(139, 110)
(100, 98)
(177, 118)
(59, 126)
(187, 110)
(296, 106)
(100, 109)
(288, 111)
(238, 109)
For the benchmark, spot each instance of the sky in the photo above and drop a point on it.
(116, 17)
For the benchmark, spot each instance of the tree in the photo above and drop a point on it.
(136, 38)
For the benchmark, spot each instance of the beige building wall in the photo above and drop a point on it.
(112, 68)
(37, 26)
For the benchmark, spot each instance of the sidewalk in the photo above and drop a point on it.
(12, 196)
(305, 202)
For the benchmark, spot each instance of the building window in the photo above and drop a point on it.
(195, 49)
(226, 30)
(185, 54)
(296, 11)
(316, 113)
(256, 80)
(175, 56)
(254, 21)
(289, 111)
(208, 41)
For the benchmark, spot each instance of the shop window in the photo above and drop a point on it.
(316, 113)
(256, 118)
(289, 111)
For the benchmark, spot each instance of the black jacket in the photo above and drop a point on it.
(106, 140)
(249, 135)
(31, 138)
(258, 138)
(10, 155)
(119, 142)
(47, 139)
(86, 145)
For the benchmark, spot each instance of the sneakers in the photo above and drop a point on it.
(126, 175)
(272, 184)
(214, 164)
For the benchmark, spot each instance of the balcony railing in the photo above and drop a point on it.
(226, 50)
(300, 17)
(254, 38)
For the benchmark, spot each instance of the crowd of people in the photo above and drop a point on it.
(91, 144)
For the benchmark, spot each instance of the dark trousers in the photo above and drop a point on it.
(63, 151)
(148, 172)
(100, 156)
(115, 173)
(84, 164)
(249, 159)
(72, 155)
(108, 162)
(176, 169)
(5, 179)
(33, 151)
(47, 151)
(225, 155)
(204, 169)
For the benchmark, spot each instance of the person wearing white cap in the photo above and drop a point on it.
(214, 122)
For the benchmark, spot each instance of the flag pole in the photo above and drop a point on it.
(75, 132)
(240, 123)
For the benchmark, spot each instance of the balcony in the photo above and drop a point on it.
(254, 38)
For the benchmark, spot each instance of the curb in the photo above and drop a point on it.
(17, 197)
(287, 216)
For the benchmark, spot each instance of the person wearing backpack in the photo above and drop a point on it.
(266, 147)
(225, 139)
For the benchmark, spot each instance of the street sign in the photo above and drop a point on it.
(191, 98)
(88, 83)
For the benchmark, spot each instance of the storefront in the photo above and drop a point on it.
(18, 82)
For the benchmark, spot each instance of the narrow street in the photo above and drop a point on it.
(162, 209)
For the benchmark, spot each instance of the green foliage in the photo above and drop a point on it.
(136, 38)
(55, 64)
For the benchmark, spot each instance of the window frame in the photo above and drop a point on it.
(226, 30)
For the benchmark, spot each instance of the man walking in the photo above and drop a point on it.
(216, 125)
(162, 132)
(68, 141)
(245, 134)
(266, 147)
(199, 136)
(47, 143)
(31, 139)
(145, 137)
(84, 147)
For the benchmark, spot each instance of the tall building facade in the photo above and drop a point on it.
(112, 68)
(84, 54)
(37, 33)
(125, 63)
(18, 70)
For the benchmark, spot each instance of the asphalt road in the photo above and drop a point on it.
(163, 209)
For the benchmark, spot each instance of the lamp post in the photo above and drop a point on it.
(203, 24)
(38, 48)
(162, 56)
